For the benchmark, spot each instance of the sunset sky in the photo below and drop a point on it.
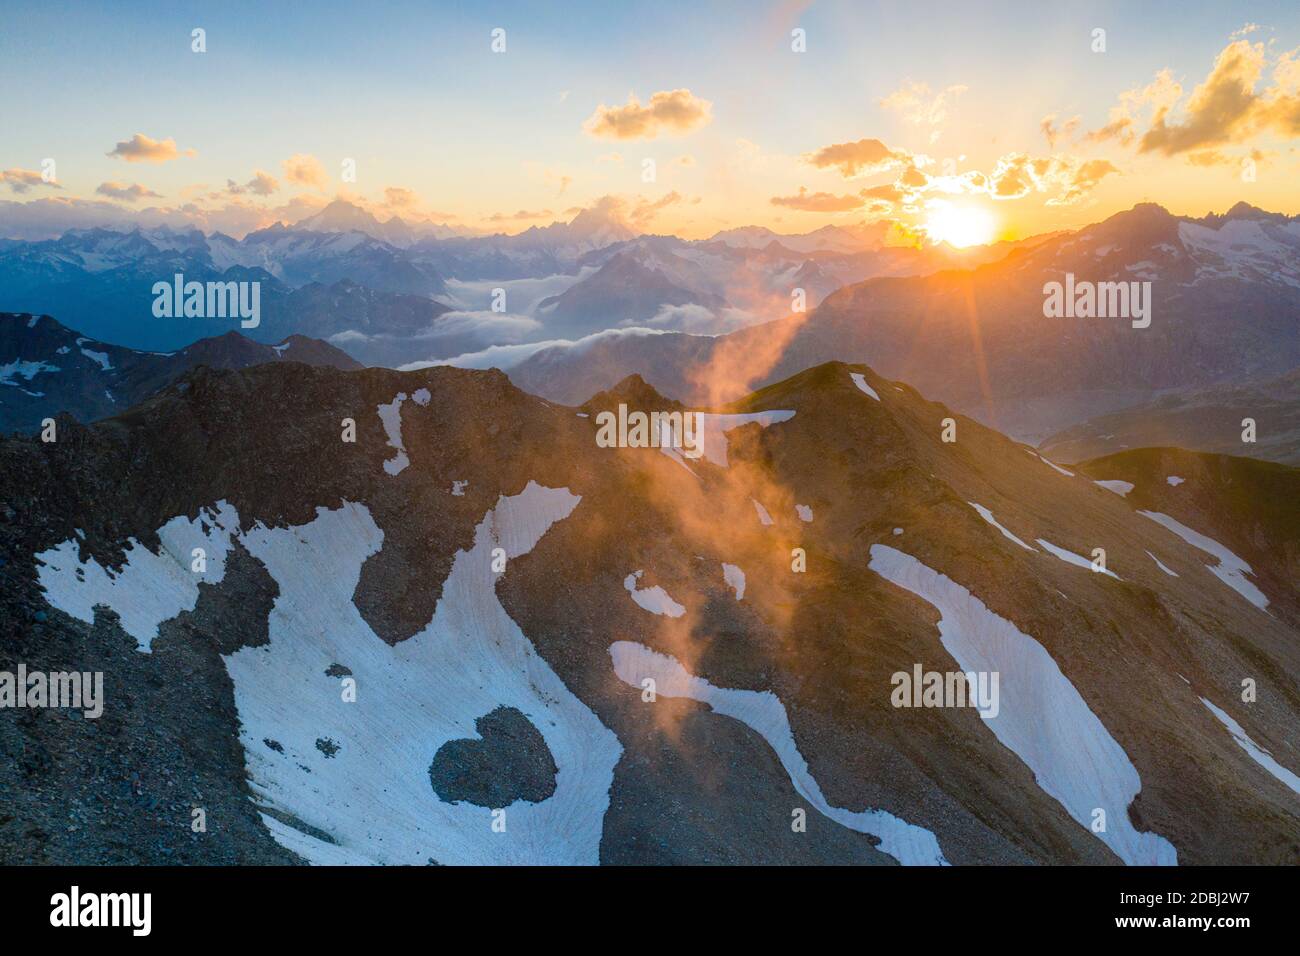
(965, 118)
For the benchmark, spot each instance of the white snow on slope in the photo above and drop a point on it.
(1161, 566)
(735, 578)
(860, 381)
(655, 599)
(27, 370)
(764, 713)
(714, 429)
(1175, 480)
(391, 416)
(1231, 570)
(988, 516)
(1257, 753)
(763, 517)
(374, 797)
(421, 396)
(1078, 560)
(804, 512)
(1042, 718)
(1068, 474)
(151, 588)
(100, 357)
(1120, 488)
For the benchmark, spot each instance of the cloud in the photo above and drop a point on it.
(1054, 133)
(521, 215)
(127, 193)
(1220, 110)
(1231, 106)
(262, 184)
(645, 210)
(862, 158)
(303, 169)
(1016, 175)
(698, 320)
(805, 201)
(1160, 93)
(141, 149)
(22, 180)
(672, 112)
(399, 197)
(917, 105)
(506, 357)
(888, 193)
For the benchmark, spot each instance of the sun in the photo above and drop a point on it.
(960, 226)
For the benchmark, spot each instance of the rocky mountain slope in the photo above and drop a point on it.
(475, 635)
(47, 368)
(1207, 419)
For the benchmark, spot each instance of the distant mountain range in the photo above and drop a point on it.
(571, 308)
(1226, 309)
(46, 369)
(1206, 419)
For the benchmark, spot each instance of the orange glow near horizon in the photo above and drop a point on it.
(960, 226)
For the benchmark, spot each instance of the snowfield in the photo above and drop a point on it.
(763, 712)
(150, 588)
(373, 797)
(1042, 717)
(349, 782)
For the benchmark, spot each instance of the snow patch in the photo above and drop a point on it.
(714, 428)
(391, 416)
(1160, 565)
(1257, 753)
(1042, 718)
(860, 381)
(100, 357)
(150, 588)
(1231, 570)
(1175, 480)
(1069, 557)
(735, 578)
(764, 713)
(988, 516)
(655, 599)
(1068, 474)
(804, 512)
(1121, 488)
(763, 517)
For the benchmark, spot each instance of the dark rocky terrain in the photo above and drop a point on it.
(213, 715)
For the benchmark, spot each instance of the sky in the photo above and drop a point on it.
(952, 120)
